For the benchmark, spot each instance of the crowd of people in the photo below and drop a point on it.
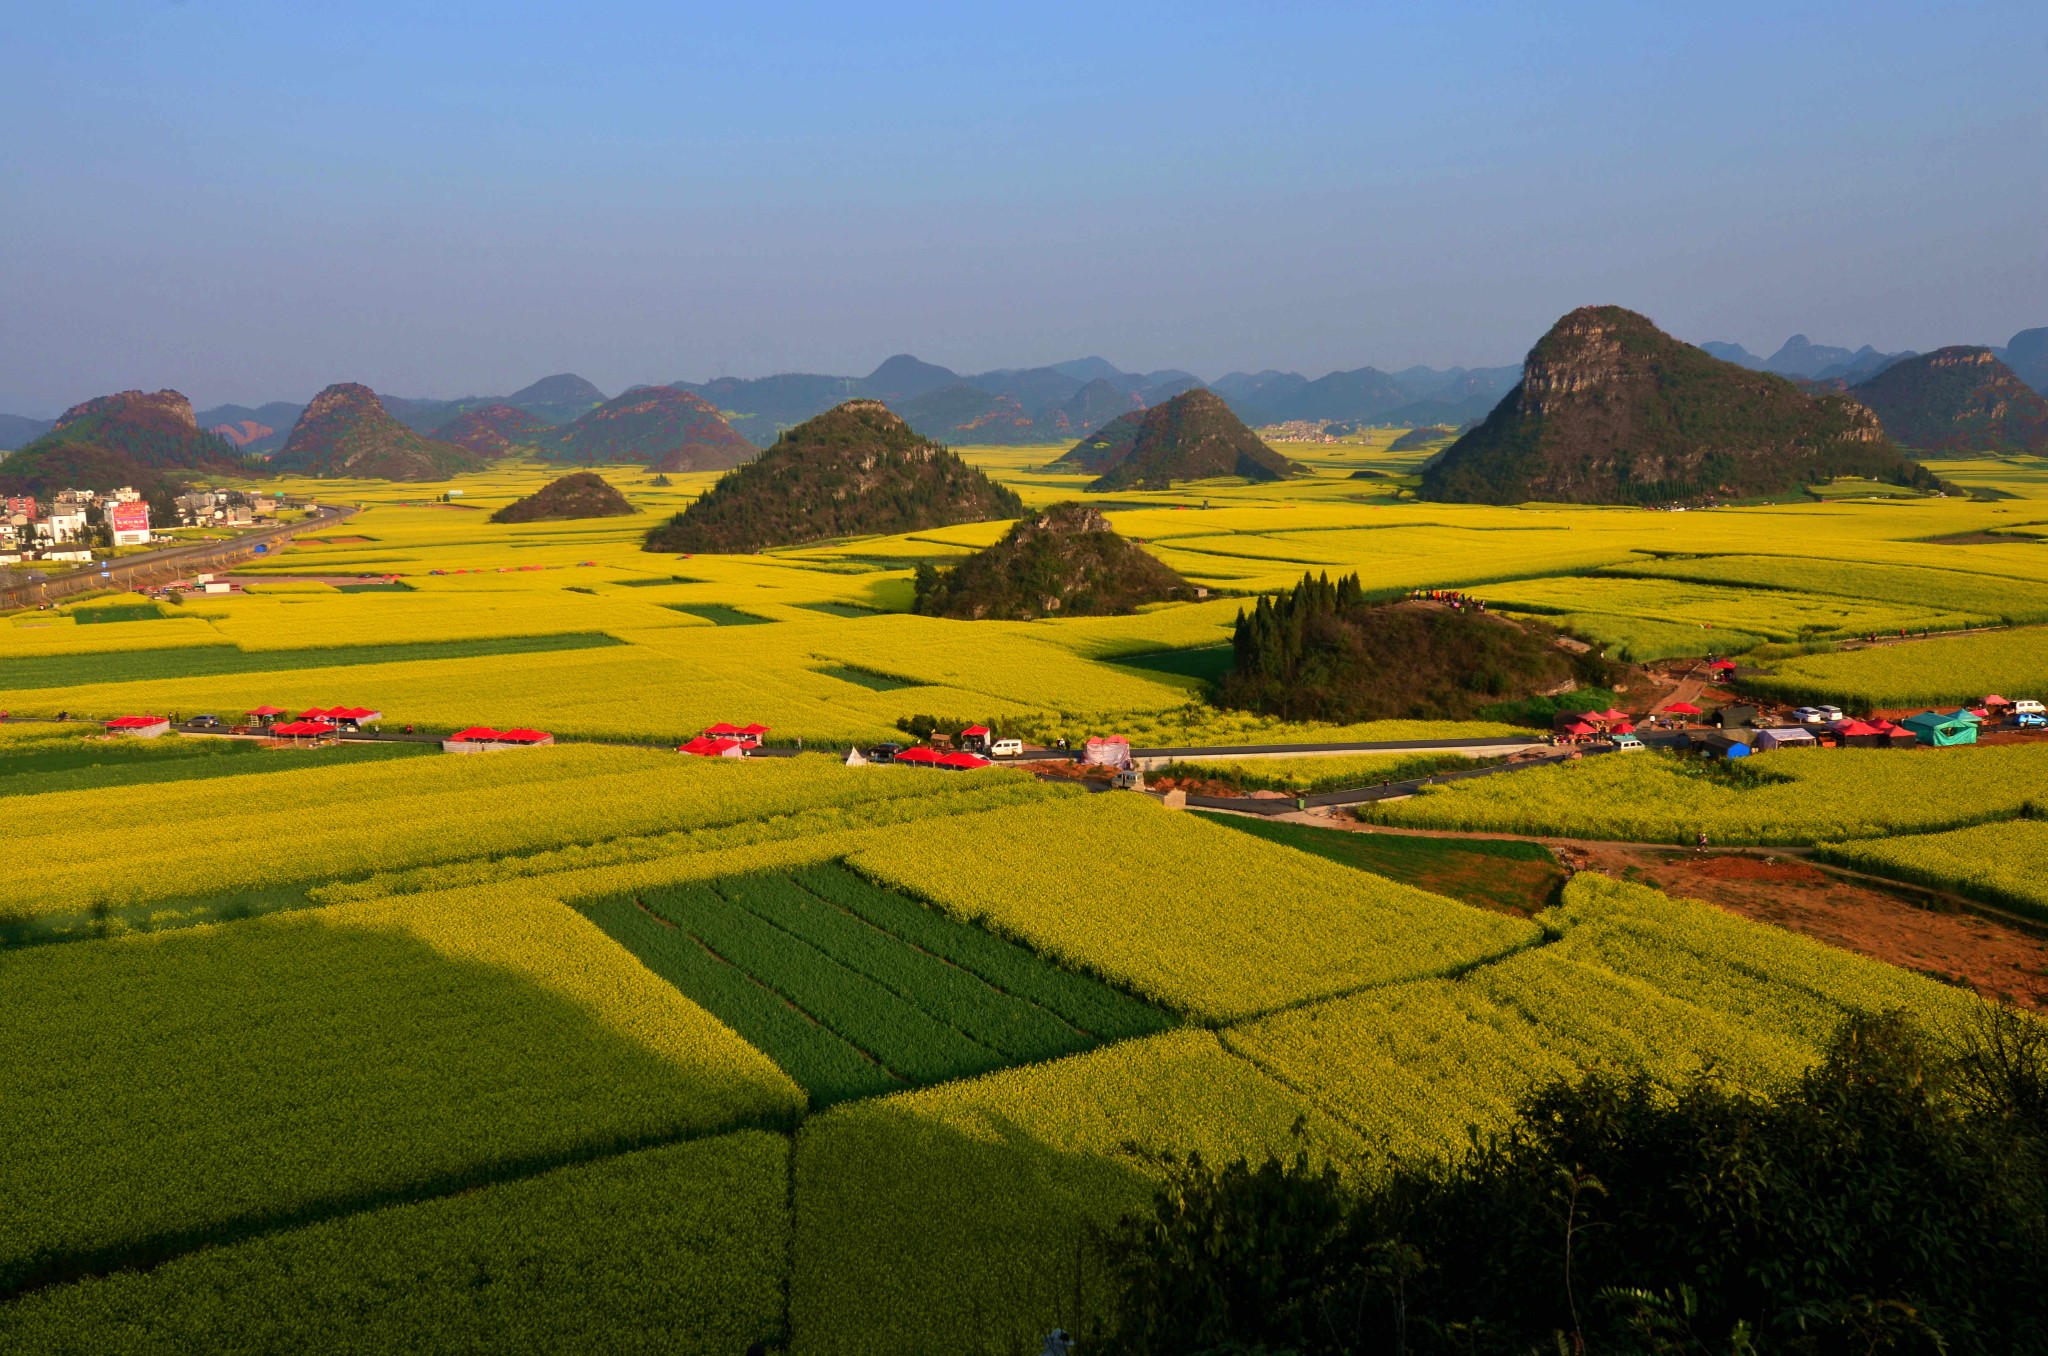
(1450, 598)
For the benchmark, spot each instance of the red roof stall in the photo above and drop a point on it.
(143, 727)
(961, 762)
(750, 735)
(264, 713)
(1722, 666)
(919, 756)
(483, 739)
(1682, 709)
(303, 729)
(703, 746)
(976, 737)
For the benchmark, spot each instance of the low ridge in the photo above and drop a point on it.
(492, 430)
(1611, 409)
(1063, 561)
(1194, 436)
(660, 427)
(1427, 436)
(1959, 399)
(580, 494)
(856, 469)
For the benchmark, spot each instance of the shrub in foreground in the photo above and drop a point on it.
(1892, 1200)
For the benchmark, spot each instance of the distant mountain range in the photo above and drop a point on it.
(1057, 403)
(1959, 399)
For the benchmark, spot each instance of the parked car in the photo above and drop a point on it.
(1006, 748)
(1627, 743)
(1828, 713)
(2029, 707)
(884, 753)
(1809, 715)
(2031, 720)
(205, 722)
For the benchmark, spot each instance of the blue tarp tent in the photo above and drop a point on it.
(1942, 729)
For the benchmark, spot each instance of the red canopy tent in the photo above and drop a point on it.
(265, 712)
(1581, 729)
(705, 747)
(1722, 666)
(1683, 709)
(1624, 728)
(303, 729)
(965, 762)
(920, 756)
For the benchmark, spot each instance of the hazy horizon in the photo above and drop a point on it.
(246, 203)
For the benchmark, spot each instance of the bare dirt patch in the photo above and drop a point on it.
(1959, 947)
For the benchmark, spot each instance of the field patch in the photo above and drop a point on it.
(680, 1249)
(208, 661)
(1493, 873)
(311, 1064)
(2004, 864)
(718, 614)
(959, 1217)
(1117, 886)
(855, 990)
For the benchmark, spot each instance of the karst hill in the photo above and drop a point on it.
(1612, 410)
(856, 469)
(137, 438)
(1063, 561)
(1193, 436)
(1960, 399)
(493, 430)
(659, 427)
(581, 494)
(346, 432)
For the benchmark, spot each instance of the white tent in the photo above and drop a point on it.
(1782, 738)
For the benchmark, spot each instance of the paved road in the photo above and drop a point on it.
(160, 567)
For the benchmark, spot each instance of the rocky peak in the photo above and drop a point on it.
(166, 411)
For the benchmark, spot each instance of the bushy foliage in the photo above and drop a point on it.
(856, 469)
(1321, 651)
(1064, 561)
(1891, 1199)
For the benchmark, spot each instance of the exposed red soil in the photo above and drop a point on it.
(1996, 960)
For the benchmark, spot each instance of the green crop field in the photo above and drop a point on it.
(596, 1047)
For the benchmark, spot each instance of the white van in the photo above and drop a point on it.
(1006, 748)
(2029, 707)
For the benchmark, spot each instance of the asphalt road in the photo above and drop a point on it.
(162, 565)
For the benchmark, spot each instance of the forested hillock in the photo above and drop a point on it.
(1321, 651)
(853, 470)
(1194, 436)
(1959, 399)
(1063, 561)
(584, 494)
(346, 431)
(657, 426)
(1611, 409)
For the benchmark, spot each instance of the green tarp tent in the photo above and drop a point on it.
(1942, 729)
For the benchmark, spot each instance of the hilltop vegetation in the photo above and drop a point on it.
(1611, 409)
(1062, 561)
(583, 494)
(1959, 399)
(1194, 436)
(1321, 651)
(346, 432)
(1429, 435)
(853, 470)
(133, 438)
(658, 426)
(492, 430)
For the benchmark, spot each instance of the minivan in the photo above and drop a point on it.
(1006, 748)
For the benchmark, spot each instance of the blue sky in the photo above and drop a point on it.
(247, 201)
